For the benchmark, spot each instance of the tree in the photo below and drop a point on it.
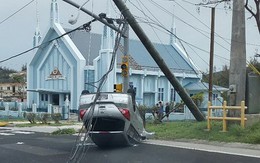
(24, 67)
(254, 12)
(253, 66)
(4, 75)
(253, 8)
(219, 78)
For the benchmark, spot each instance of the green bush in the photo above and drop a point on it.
(56, 117)
(65, 131)
(31, 117)
(44, 118)
(13, 109)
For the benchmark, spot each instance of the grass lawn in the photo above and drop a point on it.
(197, 130)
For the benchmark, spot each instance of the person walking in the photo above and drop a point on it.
(167, 110)
(160, 111)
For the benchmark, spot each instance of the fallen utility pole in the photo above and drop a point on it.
(157, 58)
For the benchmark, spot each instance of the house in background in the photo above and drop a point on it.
(14, 88)
(61, 69)
(202, 87)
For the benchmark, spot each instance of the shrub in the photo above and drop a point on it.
(2, 108)
(142, 110)
(64, 131)
(44, 118)
(56, 117)
(31, 117)
(13, 109)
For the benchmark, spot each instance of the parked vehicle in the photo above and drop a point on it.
(112, 120)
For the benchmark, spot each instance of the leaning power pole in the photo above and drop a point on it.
(211, 58)
(159, 60)
(237, 71)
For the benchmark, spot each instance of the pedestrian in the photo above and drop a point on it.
(156, 111)
(167, 110)
(160, 111)
(132, 92)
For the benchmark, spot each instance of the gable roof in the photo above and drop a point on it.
(202, 86)
(89, 45)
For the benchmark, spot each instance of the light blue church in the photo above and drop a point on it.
(62, 68)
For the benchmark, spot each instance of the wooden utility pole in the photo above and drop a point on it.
(237, 71)
(159, 60)
(211, 58)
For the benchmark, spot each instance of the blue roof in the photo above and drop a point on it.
(173, 59)
(176, 61)
(202, 86)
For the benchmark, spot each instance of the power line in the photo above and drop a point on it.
(81, 147)
(47, 42)
(171, 33)
(179, 39)
(192, 27)
(15, 12)
(152, 27)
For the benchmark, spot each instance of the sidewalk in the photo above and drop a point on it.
(242, 149)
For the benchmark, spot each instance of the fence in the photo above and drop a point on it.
(224, 117)
(17, 110)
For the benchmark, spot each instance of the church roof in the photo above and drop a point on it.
(202, 86)
(89, 45)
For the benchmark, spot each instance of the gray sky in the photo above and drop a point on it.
(16, 33)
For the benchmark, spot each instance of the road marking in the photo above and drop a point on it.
(13, 132)
(6, 134)
(23, 132)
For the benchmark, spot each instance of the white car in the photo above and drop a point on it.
(114, 120)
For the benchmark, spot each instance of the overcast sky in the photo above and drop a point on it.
(192, 23)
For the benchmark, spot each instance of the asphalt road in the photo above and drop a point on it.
(33, 147)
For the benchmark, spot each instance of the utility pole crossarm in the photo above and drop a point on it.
(159, 60)
(94, 16)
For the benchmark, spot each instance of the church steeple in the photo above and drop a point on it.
(106, 54)
(37, 34)
(108, 33)
(54, 12)
(173, 29)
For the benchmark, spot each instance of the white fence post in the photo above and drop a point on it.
(7, 107)
(20, 110)
(49, 108)
(34, 108)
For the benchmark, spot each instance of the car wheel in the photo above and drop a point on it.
(133, 136)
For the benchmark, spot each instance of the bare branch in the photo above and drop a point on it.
(210, 2)
(249, 9)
